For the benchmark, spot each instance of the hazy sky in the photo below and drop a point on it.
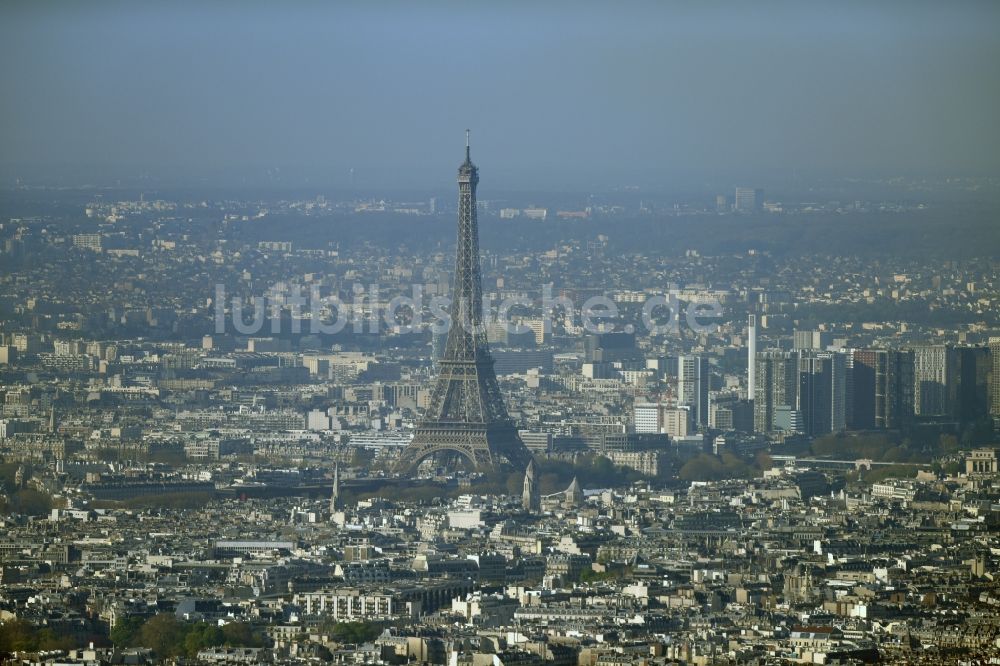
(577, 90)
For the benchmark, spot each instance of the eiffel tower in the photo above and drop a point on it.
(467, 416)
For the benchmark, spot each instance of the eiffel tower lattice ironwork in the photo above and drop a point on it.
(466, 415)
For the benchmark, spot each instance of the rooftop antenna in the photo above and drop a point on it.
(467, 145)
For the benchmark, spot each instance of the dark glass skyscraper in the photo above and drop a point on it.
(883, 389)
(822, 391)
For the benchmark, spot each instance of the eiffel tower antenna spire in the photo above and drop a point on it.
(467, 415)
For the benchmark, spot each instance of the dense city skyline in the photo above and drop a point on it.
(704, 371)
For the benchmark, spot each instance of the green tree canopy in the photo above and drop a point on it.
(163, 634)
(126, 630)
(355, 632)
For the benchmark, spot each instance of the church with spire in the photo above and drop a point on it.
(531, 498)
(573, 496)
(335, 493)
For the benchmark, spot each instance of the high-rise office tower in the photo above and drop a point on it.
(438, 342)
(882, 389)
(748, 199)
(776, 385)
(935, 380)
(903, 367)
(693, 386)
(848, 387)
(822, 391)
(811, 339)
(729, 412)
(467, 416)
(646, 417)
(605, 347)
(995, 378)
(975, 367)
(655, 418)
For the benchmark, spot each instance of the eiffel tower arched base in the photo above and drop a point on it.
(487, 448)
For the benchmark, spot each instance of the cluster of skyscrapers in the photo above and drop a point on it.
(815, 390)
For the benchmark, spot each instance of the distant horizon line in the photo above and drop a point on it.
(405, 178)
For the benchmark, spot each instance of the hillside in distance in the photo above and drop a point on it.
(947, 233)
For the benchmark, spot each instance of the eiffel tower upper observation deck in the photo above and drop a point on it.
(466, 415)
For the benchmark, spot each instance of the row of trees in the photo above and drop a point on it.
(26, 501)
(21, 636)
(352, 632)
(168, 637)
(593, 471)
(916, 447)
(707, 467)
(853, 446)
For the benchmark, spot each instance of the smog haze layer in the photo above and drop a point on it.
(559, 95)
